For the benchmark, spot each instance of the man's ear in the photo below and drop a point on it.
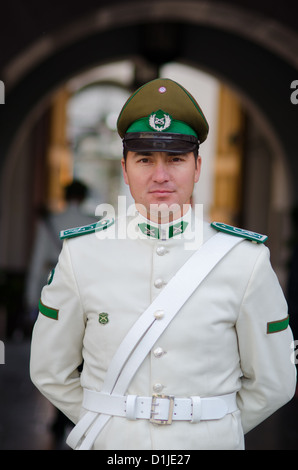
(198, 169)
(123, 163)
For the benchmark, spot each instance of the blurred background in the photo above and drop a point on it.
(67, 68)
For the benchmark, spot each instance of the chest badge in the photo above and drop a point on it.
(103, 318)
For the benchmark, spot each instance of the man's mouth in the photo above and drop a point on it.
(161, 191)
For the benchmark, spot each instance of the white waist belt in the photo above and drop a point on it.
(160, 409)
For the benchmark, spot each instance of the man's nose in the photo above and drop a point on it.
(160, 174)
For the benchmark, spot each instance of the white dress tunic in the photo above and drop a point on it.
(231, 335)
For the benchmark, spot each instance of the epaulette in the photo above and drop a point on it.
(86, 229)
(239, 232)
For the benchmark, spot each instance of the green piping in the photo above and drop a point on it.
(276, 326)
(47, 311)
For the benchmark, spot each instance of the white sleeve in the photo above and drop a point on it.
(56, 350)
(265, 342)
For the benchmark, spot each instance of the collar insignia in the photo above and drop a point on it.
(155, 232)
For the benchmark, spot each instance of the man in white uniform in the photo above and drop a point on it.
(195, 373)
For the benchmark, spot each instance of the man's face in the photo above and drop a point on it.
(161, 179)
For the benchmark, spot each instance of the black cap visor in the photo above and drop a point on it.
(155, 142)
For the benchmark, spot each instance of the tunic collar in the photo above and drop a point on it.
(164, 231)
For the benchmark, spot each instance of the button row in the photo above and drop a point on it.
(159, 314)
(158, 352)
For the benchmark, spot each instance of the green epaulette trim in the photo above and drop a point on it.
(239, 232)
(86, 229)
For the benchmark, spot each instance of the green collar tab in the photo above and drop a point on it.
(92, 228)
(239, 232)
(155, 232)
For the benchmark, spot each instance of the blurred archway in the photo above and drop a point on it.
(214, 38)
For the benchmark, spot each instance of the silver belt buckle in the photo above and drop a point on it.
(154, 404)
